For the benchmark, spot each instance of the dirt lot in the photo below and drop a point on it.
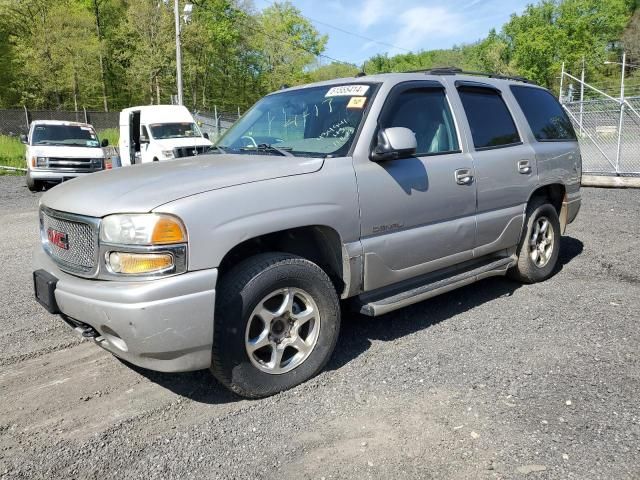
(496, 380)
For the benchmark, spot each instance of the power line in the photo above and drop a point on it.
(330, 25)
(275, 37)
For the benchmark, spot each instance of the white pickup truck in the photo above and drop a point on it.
(159, 132)
(57, 151)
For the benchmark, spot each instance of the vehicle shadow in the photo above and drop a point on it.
(199, 386)
(358, 331)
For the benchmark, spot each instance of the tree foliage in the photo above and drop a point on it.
(116, 53)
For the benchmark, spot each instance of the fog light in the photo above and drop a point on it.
(139, 263)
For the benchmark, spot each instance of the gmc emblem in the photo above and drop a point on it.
(59, 239)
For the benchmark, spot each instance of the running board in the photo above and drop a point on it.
(380, 306)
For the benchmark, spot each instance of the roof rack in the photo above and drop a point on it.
(459, 71)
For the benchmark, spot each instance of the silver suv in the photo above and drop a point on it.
(379, 191)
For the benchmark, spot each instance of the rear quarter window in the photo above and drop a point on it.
(546, 117)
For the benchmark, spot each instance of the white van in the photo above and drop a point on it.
(57, 151)
(159, 132)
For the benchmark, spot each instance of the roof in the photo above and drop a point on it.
(155, 108)
(60, 122)
(435, 74)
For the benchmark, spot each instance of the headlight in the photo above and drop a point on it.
(42, 162)
(142, 229)
(167, 153)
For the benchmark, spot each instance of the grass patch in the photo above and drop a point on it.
(11, 154)
(111, 134)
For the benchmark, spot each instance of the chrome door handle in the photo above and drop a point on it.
(463, 176)
(524, 167)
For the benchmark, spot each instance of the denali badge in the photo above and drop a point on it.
(59, 239)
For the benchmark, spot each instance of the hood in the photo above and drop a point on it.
(57, 151)
(171, 143)
(141, 188)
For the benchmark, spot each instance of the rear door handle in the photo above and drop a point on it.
(524, 167)
(463, 176)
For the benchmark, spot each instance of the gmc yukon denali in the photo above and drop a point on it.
(376, 192)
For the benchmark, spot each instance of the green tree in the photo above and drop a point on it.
(288, 44)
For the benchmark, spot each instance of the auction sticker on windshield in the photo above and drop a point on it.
(357, 102)
(347, 91)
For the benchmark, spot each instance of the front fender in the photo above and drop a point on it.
(219, 220)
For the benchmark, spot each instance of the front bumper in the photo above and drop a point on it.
(164, 325)
(55, 175)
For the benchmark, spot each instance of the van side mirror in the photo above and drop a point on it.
(23, 139)
(105, 143)
(394, 143)
(144, 139)
(205, 135)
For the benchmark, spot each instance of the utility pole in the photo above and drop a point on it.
(621, 123)
(176, 12)
(561, 84)
(582, 97)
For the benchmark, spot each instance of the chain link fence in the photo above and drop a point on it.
(609, 135)
(608, 128)
(14, 122)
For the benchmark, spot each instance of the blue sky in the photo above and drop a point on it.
(408, 24)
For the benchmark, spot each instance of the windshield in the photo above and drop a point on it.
(161, 131)
(67, 135)
(316, 121)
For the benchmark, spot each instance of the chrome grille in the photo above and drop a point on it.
(75, 164)
(81, 239)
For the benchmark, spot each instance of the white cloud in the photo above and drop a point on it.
(418, 24)
(371, 12)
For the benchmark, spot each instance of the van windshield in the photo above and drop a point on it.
(315, 121)
(161, 131)
(65, 135)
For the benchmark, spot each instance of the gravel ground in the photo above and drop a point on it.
(495, 380)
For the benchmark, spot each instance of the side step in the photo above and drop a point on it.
(379, 306)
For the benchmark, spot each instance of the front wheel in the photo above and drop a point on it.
(276, 324)
(540, 244)
(33, 185)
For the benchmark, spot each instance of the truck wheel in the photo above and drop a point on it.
(33, 185)
(276, 324)
(540, 244)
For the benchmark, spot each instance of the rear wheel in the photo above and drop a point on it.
(540, 244)
(276, 324)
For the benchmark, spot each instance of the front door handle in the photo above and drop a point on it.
(524, 167)
(463, 176)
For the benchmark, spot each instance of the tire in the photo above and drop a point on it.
(33, 185)
(246, 299)
(538, 264)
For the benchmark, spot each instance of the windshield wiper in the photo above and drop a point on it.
(265, 147)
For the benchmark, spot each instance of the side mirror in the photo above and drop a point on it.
(105, 143)
(23, 139)
(394, 143)
(205, 135)
(144, 139)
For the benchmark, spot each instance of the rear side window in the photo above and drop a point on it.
(491, 123)
(547, 119)
(426, 112)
